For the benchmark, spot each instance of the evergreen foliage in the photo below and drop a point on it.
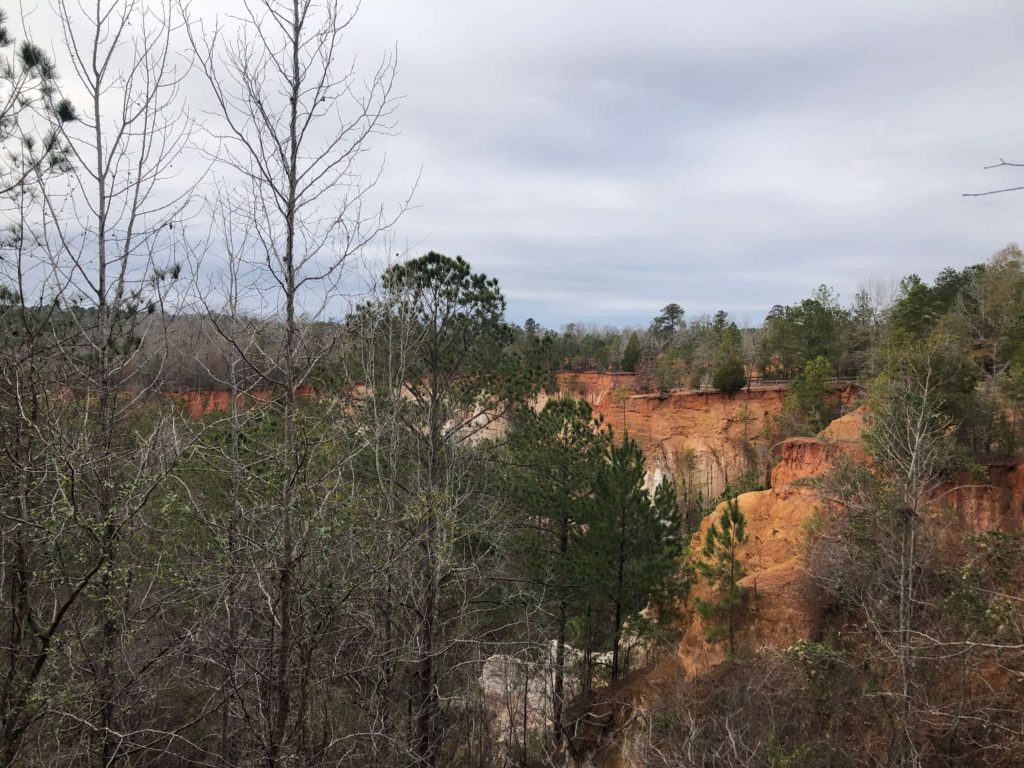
(628, 550)
(807, 410)
(666, 324)
(631, 355)
(720, 566)
(554, 455)
(920, 306)
(796, 334)
(31, 115)
(730, 376)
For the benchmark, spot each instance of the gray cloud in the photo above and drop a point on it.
(605, 158)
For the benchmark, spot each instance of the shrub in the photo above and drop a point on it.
(730, 376)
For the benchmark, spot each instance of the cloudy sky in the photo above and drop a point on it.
(603, 159)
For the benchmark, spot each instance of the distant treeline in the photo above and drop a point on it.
(980, 305)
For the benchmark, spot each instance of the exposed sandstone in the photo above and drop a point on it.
(198, 404)
(992, 502)
(705, 440)
(781, 604)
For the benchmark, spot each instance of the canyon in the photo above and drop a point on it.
(705, 441)
(782, 605)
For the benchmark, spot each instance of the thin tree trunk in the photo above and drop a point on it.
(286, 564)
(906, 592)
(619, 587)
(558, 703)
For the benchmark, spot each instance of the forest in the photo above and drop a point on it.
(399, 532)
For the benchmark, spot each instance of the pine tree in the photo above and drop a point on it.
(666, 324)
(721, 567)
(631, 355)
(807, 410)
(555, 454)
(629, 547)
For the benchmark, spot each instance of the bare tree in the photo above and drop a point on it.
(1001, 164)
(912, 440)
(27, 161)
(111, 243)
(877, 552)
(94, 265)
(294, 126)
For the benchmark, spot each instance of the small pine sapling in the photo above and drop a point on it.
(720, 566)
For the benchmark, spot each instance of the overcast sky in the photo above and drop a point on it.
(603, 159)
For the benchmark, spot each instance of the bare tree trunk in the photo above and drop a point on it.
(286, 557)
(620, 575)
(115, 254)
(427, 702)
(908, 560)
(587, 682)
(296, 198)
(558, 703)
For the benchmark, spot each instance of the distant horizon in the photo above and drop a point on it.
(747, 319)
(603, 161)
(602, 165)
